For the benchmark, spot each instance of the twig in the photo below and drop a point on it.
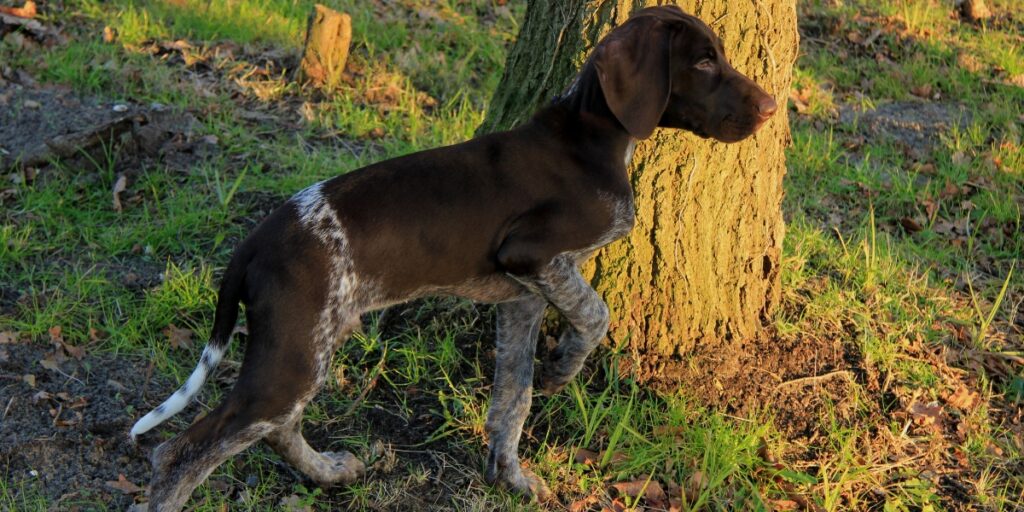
(8, 408)
(804, 381)
(369, 386)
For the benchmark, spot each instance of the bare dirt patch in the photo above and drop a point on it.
(65, 429)
(916, 126)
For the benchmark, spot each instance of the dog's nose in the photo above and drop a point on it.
(766, 107)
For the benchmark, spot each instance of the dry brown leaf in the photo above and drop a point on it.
(29, 379)
(781, 505)
(122, 484)
(695, 484)
(583, 504)
(55, 334)
(178, 337)
(616, 458)
(74, 351)
(8, 338)
(616, 506)
(49, 363)
(585, 457)
(28, 10)
(964, 399)
(922, 91)
(910, 225)
(119, 186)
(675, 505)
(925, 414)
(650, 490)
(669, 430)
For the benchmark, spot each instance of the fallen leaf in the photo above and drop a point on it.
(650, 490)
(964, 399)
(119, 187)
(922, 91)
(926, 415)
(585, 457)
(855, 38)
(122, 484)
(8, 338)
(669, 430)
(29, 379)
(617, 506)
(28, 10)
(109, 34)
(695, 484)
(55, 334)
(910, 225)
(780, 505)
(49, 363)
(74, 351)
(40, 396)
(179, 338)
(583, 504)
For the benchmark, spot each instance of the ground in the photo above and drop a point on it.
(139, 146)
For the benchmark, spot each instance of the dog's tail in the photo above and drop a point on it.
(223, 326)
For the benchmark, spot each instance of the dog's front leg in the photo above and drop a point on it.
(565, 288)
(518, 325)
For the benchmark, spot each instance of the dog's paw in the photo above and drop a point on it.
(526, 483)
(552, 379)
(536, 486)
(515, 478)
(344, 469)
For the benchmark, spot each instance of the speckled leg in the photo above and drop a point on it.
(327, 468)
(565, 288)
(518, 325)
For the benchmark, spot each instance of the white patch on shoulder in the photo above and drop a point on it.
(346, 295)
(628, 156)
(309, 200)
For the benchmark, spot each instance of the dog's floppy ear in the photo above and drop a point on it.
(633, 67)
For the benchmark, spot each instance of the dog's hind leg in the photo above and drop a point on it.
(326, 468)
(518, 324)
(282, 370)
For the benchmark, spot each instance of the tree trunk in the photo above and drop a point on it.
(701, 267)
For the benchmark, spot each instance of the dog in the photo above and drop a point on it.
(504, 218)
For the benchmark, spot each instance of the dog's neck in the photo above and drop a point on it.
(585, 98)
(584, 95)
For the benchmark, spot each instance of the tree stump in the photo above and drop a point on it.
(975, 10)
(328, 35)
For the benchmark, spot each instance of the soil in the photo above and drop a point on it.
(916, 126)
(68, 431)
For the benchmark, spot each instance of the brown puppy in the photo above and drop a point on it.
(503, 218)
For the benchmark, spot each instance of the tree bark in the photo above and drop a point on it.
(701, 267)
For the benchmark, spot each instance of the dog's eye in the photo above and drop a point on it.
(707, 65)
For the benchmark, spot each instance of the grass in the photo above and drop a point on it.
(910, 262)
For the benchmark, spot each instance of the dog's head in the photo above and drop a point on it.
(663, 67)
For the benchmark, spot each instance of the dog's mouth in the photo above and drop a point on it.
(731, 129)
